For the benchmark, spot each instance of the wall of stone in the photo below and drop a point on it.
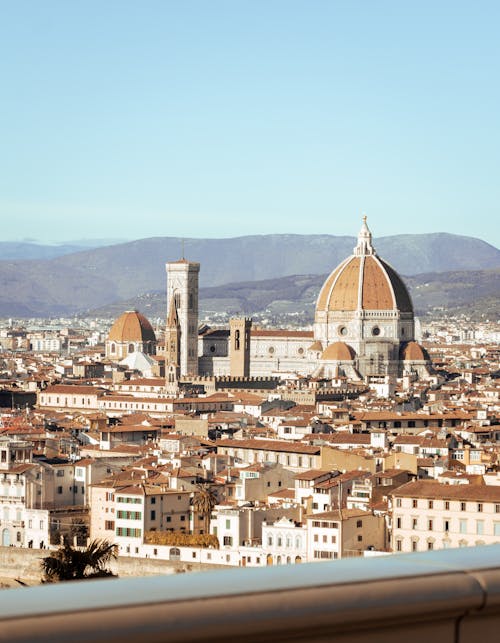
(24, 564)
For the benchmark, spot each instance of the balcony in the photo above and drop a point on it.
(451, 596)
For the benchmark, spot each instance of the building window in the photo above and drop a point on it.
(496, 528)
(479, 506)
(399, 545)
(398, 502)
(228, 541)
(414, 523)
(431, 504)
(447, 505)
(430, 524)
(359, 524)
(414, 503)
(398, 523)
(153, 514)
(479, 527)
(463, 506)
(462, 526)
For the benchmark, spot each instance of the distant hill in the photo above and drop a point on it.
(472, 292)
(89, 279)
(28, 250)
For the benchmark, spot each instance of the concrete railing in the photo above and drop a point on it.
(450, 596)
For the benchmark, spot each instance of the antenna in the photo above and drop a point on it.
(182, 241)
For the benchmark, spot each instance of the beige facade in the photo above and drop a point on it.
(123, 514)
(296, 457)
(340, 534)
(429, 515)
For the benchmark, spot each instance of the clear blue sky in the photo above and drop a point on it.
(211, 118)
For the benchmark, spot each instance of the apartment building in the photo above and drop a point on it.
(430, 515)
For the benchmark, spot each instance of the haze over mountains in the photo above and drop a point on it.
(90, 279)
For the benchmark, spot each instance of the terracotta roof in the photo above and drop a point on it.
(364, 282)
(431, 489)
(312, 474)
(338, 351)
(412, 351)
(269, 445)
(132, 326)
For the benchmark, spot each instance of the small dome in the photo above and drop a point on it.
(413, 352)
(132, 326)
(338, 351)
(315, 346)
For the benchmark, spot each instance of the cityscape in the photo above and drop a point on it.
(249, 321)
(366, 433)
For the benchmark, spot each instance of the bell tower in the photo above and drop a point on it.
(182, 290)
(239, 349)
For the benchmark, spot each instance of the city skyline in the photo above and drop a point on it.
(222, 120)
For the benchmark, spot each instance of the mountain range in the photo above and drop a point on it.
(90, 279)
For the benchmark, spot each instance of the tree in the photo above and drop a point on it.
(204, 500)
(80, 531)
(73, 563)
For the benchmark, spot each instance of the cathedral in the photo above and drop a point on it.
(364, 330)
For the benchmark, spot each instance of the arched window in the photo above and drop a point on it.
(270, 541)
(175, 553)
(237, 340)
(131, 348)
(113, 347)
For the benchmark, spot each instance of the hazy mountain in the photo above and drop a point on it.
(100, 276)
(27, 250)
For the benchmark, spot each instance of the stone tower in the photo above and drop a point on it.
(239, 348)
(172, 349)
(182, 289)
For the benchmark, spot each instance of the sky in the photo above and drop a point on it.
(213, 118)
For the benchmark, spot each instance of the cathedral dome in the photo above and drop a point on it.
(363, 281)
(132, 326)
(338, 351)
(414, 352)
